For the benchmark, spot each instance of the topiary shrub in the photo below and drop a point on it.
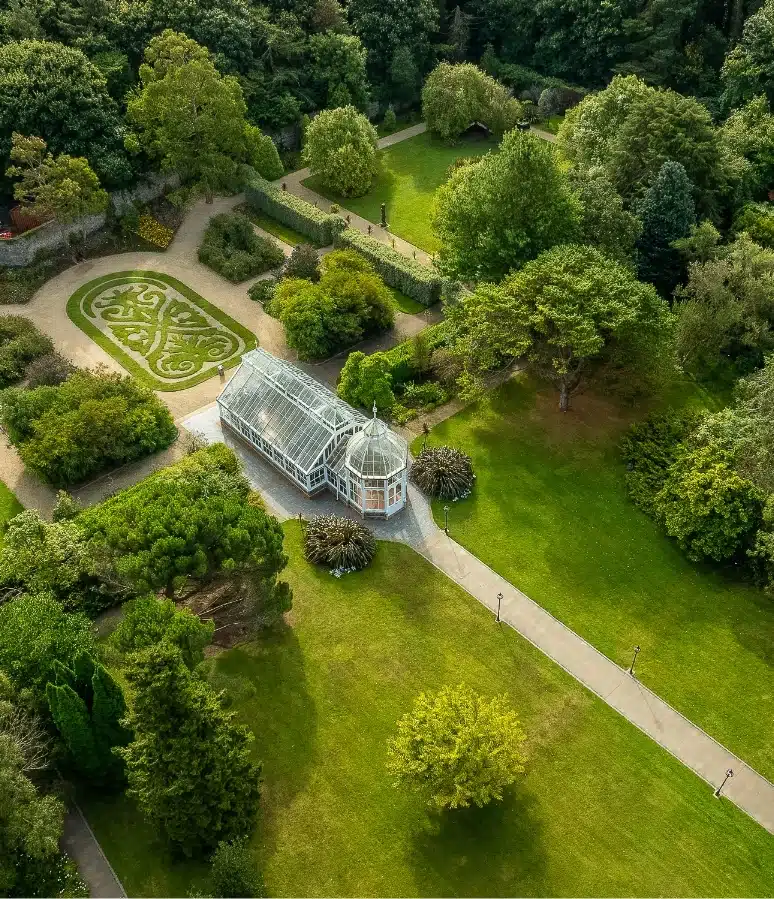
(303, 262)
(443, 472)
(339, 543)
(233, 249)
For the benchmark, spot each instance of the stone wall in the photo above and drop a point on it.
(20, 251)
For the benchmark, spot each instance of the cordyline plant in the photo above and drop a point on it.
(339, 543)
(444, 472)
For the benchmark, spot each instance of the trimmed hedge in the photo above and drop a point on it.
(415, 280)
(292, 211)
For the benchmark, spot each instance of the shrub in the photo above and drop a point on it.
(20, 344)
(757, 219)
(390, 120)
(93, 421)
(403, 357)
(232, 248)
(262, 154)
(263, 291)
(340, 147)
(443, 472)
(303, 262)
(292, 211)
(49, 370)
(154, 232)
(233, 873)
(419, 396)
(420, 282)
(339, 543)
(366, 380)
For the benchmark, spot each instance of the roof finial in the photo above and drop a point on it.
(374, 408)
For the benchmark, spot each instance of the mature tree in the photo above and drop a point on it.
(87, 706)
(55, 92)
(338, 70)
(189, 766)
(64, 187)
(631, 130)
(725, 312)
(404, 76)
(187, 526)
(711, 510)
(762, 551)
(563, 312)
(186, 114)
(494, 216)
(458, 748)
(340, 147)
(261, 153)
(384, 27)
(604, 222)
(749, 133)
(366, 380)
(35, 634)
(349, 302)
(455, 96)
(93, 421)
(329, 15)
(749, 68)
(667, 214)
(149, 620)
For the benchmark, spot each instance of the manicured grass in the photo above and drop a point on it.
(9, 506)
(602, 810)
(410, 172)
(287, 235)
(179, 347)
(406, 304)
(551, 124)
(550, 513)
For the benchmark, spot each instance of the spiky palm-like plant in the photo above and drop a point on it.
(339, 543)
(444, 472)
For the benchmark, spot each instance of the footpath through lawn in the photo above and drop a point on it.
(602, 810)
(550, 513)
(410, 173)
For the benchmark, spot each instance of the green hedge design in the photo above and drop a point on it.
(166, 342)
(292, 211)
(415, 280)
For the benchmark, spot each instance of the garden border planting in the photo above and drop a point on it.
(412, 278)
(77, 316)
(292, 211)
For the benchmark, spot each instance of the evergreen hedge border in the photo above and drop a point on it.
(76, 316)
(412, 278)
(292, 211)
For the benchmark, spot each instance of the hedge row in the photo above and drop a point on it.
(420, 282)
(292, 211)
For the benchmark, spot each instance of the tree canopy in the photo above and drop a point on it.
(340, 147)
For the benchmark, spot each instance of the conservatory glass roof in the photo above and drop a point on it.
(376, 451)
(290, 410)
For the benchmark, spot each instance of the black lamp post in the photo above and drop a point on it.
(383, 222)
(499, 603)
(729, 773)
(425, 435)
(446, 520)
(631, 667)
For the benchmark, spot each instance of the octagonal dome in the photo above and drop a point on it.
(376, 451)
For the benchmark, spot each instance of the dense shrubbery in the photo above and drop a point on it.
(303, 262)
(338, 543)
(412, 278)
(349, 302)
(443, 472)
(93, 421)
(232, 248)
(292, 211)
(48, 370)
(233, 872)
(340, 147)
(20, 344)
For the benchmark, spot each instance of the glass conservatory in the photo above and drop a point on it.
(315, 439)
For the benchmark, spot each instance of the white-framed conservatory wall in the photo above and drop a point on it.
(372, 497)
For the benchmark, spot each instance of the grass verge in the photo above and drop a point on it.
(287, 235)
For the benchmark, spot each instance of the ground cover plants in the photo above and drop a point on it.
(160, 330)
(323, 697)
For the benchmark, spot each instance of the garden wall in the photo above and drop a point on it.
(21, 251)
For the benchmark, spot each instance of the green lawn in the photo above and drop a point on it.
(602, 810)
(410, 172)
(9, 506)
(550, 513)
(282, 232)
(406, 304)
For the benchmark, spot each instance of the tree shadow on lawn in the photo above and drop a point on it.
(266, 683)
(492, 851)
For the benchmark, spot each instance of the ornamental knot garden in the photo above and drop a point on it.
(158, 327)
(314, 438)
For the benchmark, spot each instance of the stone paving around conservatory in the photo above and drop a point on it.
(158, 328)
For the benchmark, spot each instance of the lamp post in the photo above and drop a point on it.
(425, 435)
(446, 520)
(631, 667)
(383, 222)
(729, 773)
(499, 603)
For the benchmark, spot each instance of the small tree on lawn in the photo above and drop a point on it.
(458, 748)
(340, 147)
(366, 380)
(189, 766)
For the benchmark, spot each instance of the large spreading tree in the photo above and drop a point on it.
(495, 215)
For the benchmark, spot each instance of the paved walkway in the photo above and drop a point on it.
(639, 705)
(81, 845)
